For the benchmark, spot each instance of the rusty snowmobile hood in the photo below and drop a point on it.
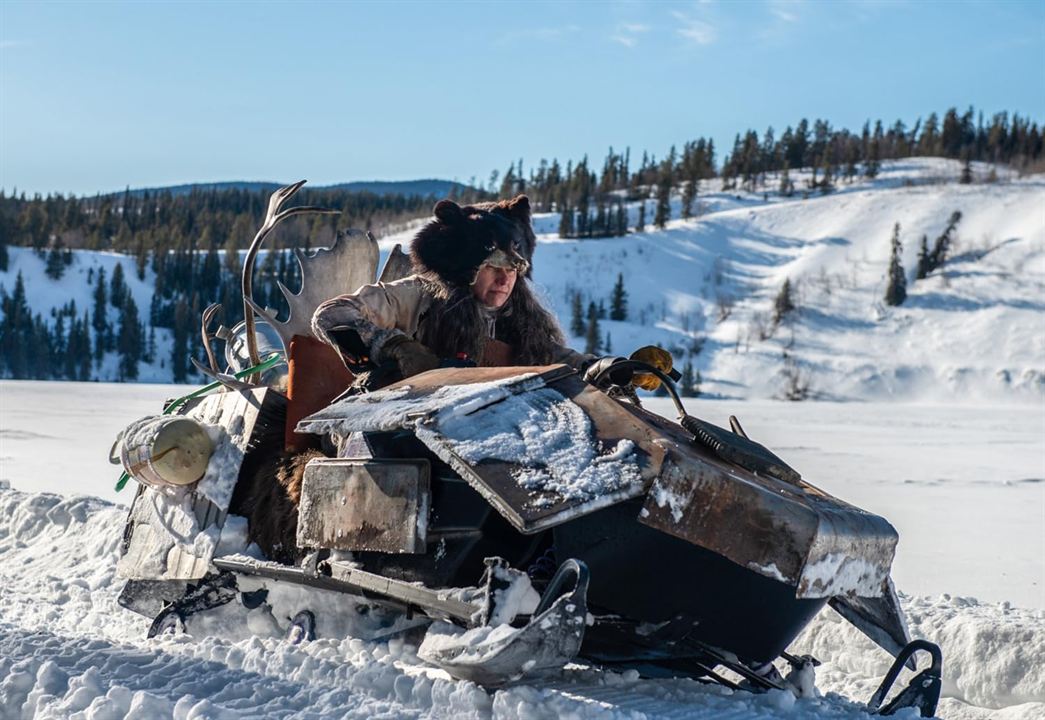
(544, 447)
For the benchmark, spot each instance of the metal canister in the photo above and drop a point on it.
(166, 451)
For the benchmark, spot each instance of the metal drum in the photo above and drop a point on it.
(166, 451)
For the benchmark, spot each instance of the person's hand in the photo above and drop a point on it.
(616, 375)
(410, 356)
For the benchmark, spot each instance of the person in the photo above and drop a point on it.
(468, 301)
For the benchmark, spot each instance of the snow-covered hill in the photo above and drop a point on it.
(973, 330)
(705, 287)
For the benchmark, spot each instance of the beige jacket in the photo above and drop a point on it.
(381, 311)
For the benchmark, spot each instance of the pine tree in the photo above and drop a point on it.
(923, 259)
(663, 211)
(566, 222)
(117, 286)
(619, 300)
(942, 246)
(784, 303)
(577, 324)
(787, 188)
(689, 193)
(622, 219)
(896, 290)
(55, 266)
(688, 384)
(15, 329)
(99, 317)
(827, 183)
(608, 346)
(966, 177)
(129, 340)
(180, 349)
(592, 335)
(640, 226)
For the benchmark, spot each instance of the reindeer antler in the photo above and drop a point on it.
(273, 217)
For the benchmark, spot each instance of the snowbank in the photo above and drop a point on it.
(67, 650)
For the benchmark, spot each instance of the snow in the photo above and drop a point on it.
(549, 437)
(951, 478)
(946, 440)
(968, 333)
(515, 420)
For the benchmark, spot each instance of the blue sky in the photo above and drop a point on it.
(96, 96)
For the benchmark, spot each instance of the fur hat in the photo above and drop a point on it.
(462, 238)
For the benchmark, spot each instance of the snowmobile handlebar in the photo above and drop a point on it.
(640, 366)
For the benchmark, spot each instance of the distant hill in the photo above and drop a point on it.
(417, 188)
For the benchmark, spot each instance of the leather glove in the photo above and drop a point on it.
(410, 356)
(619, 376)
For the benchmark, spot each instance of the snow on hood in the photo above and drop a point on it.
(546, 436)
(517, 420)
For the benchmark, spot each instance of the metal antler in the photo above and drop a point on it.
(208, 315)
(272, 218)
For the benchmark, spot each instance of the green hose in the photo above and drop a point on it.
(270, 362)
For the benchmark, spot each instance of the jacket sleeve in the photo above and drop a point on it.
(363, 321)
(577, 361)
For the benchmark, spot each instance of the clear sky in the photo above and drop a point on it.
(95, 96)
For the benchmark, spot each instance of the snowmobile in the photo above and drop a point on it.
(512, 519)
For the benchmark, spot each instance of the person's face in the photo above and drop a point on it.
(493, 285)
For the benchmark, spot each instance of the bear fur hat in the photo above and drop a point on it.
(462, 238)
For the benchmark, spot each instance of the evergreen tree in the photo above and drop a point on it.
(923, 259)
(689, 385)
(55, 266)
(129, 340)
(117, 286)
(619, 300)
(896, 290)
(608, 346)
(640, 226)
(180, 349)
(827, 183)
(787, 188)
(622, 219)
(784, 303)
(99, 318)
(942, 246)
(577, 324)
(566, 222)
(592, 335)
(663, 210)
(15, 329)
(689, 193)
(966, 177)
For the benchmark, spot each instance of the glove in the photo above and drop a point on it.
(410, 356)
(616, 376)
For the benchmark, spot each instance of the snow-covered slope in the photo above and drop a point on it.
(973, 330)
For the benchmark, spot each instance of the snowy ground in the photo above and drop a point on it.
(964, 486)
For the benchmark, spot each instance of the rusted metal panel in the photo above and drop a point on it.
(792, 532)
(528, 510)
(379, 505)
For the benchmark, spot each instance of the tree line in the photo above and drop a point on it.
(73, 343)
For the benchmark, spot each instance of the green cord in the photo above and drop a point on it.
(270, 362)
